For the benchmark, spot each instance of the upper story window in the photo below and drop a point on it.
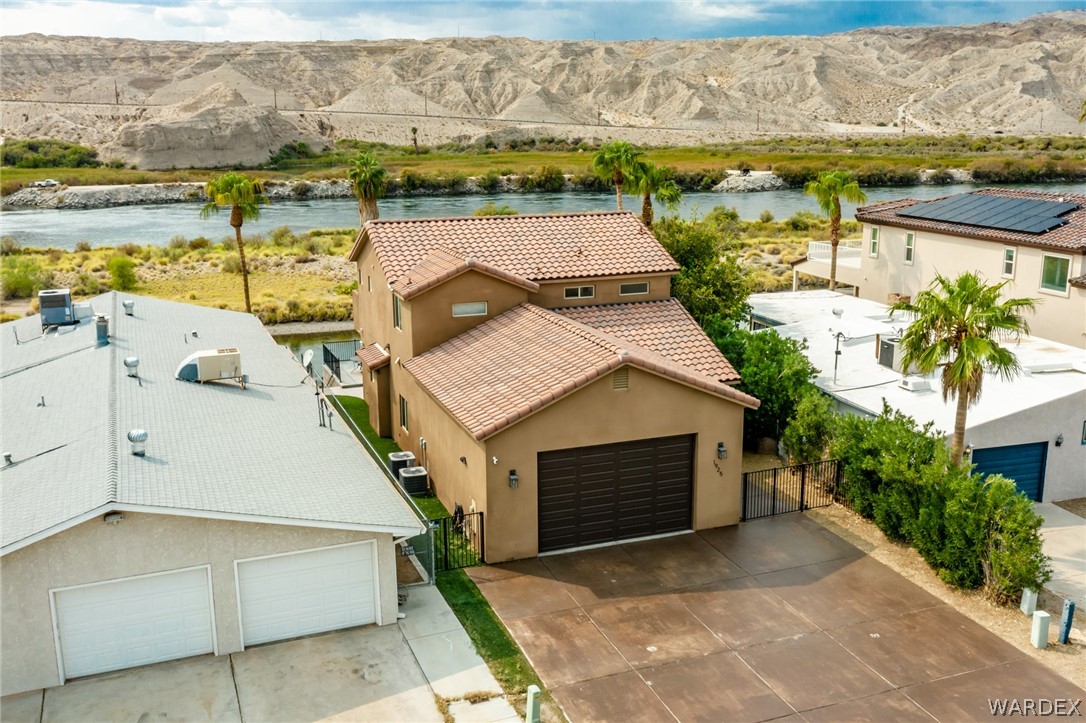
(633, 288)
(580, 292)
(470, 308)
(873, 248)
(910, 247)
(1054, 273)
(1009, 254)
(397, 312)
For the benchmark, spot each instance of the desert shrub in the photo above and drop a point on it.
(8, 246)
(880, 174)
(744, 165)
(199, 243)
(229, 243)
(796, 174)
(88, 285)
(410, 180)
(547, 178)
(490, 182)
(231, 264)
(129, 249)
(345, 289)
(23, 277)
(810, 428)
(766, 216)
(589, 182)
(492, 209)
(282, 236)
(803, 221)
(122, 273)
(82, 246)
(301, 189)
(177, 242)
(941, 177)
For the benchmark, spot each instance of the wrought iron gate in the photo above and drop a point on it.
(789, 489)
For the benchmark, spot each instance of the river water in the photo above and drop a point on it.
(156, 225)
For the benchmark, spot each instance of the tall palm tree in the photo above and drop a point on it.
(829, 189)
(415, 138)
(958, 324)
(649, 179)
(368, 181)
(244, 196)
(613, 162)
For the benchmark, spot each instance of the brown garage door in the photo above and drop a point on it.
(609, 492)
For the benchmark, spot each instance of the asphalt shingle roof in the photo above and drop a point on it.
(532, 247)
(1070, 236)
(212, 447)
(521, 361)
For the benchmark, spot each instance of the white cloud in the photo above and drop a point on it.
(725, 10)
(196, 15)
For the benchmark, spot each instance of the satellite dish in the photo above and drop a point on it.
(307, 358)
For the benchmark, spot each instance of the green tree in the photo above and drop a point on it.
(368, 181)
(615, 161)
(648, 179)
(829, 188)
(244, 196)
(415, 139)
(711, 282)
(122, 273)
(811, 427)
(958, 324)
(776, 371)
(23, 277)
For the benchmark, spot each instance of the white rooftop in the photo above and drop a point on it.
(1052, 370)
(213, 449)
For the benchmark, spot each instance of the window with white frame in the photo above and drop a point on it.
(469, 308)
(1009, 254)
(403, 413)
(580, 292)
(910, 247)
(1054, 273)
(397, 312)
(634, 288)
(874, 245)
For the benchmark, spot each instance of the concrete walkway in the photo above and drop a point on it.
(1064, 536)
(449, 661)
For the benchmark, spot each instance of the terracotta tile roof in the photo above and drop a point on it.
(443, 263)
(664, 327)
(523, 360)
(1079, 281)
(1071, 236)
(372, 357)
(533, 247)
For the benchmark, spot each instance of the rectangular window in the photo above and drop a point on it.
(874, 243)
(470, 308)
(910, 243)
(633, 289)
(1054, 273)
(580, 292)
(397, 312)
(1008, 262)
(369, 284)
(403, 413)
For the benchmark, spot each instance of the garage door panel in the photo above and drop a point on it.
(1023, 463)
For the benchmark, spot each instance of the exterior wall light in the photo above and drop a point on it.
(968, 450)
(1059, 439)
(514, 479)
(721, 451)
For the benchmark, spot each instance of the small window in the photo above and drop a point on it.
(1054, 273)
(372, 376)
(580, 292)
(470, 308)
(1008, 262)
(403, 413)
(633, 289)
(369, 284)
(874, 243)
(910, 243)
(397, 312)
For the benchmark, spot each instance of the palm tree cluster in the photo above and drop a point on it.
(368, 181)
(618, 162)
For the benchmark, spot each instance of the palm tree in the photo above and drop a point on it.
(368, 181)
(613, 162)
(649, 179)
(415, 138)
(829, 189)
(957, 326)
(244, 197)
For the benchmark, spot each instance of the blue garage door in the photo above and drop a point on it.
(1023, 463)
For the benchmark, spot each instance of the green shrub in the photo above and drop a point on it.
(342, 289)
(199, 243)
(492, 209)
(8, 245)
(231, 264)
(82, 246)
(1014, 556)
(810, 428)
(48, 153)
(547, 178)
(129, 249)
(490, 182)
(122, 273)
(766, 216)
(88, 285)
(23, 277)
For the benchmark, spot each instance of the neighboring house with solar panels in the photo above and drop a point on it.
(1034, 240)
(540, 371)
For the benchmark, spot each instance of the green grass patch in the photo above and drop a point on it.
(359, 413)
(432, 507)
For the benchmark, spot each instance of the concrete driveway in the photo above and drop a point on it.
(773, 619)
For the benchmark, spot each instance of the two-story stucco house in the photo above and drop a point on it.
(538, 368)
(1036, 241)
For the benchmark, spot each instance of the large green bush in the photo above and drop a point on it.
(23, 277)
(810, 428)
(48, 153)
(122, 273)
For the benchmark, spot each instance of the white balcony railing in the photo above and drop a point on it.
(848, 253)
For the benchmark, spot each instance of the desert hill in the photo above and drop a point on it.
(163, 104)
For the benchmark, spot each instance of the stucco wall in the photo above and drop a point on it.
(653, 406)
(551, 295)
(428, 317)
(141, 544)
(1065, 468)
(373, 312)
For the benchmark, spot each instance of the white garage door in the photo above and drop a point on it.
(134, 621)
(302, 593)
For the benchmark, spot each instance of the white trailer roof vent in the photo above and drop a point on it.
(211, 365)
(915, 384)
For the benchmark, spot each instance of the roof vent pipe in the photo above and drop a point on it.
(101, 324)
(138, 439)
(132, 364)
(129, 307)
(7, 459)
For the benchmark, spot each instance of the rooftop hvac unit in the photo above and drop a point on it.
(399, 460)
(211, 365)
(915, 384)
(56, 307)
(413, 480)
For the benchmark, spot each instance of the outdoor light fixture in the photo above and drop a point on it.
(514, 480)
(968, 450)
(1059, 439)
(721, 451)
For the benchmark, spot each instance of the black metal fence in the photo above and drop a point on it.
(458, 541)
(337, 352)
(789, 489)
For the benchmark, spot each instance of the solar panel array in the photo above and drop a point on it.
(1008, 214)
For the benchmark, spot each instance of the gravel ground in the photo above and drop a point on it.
(1008, 623)
(1076, 506)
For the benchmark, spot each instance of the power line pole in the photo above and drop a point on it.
(116, 93)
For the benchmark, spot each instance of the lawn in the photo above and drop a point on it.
(359, 412)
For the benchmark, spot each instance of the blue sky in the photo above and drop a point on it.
(247, 20)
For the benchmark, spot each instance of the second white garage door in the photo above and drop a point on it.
(302, 593)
